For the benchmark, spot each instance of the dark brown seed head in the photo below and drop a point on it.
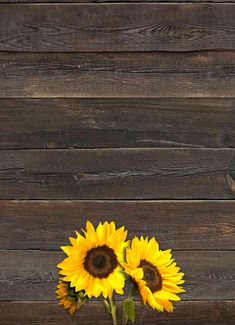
(151, 275)
(100, 261)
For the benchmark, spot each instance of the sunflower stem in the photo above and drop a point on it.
(124, 317)
(132, 292)
(106, 304)
(128, 306)
(113, 311)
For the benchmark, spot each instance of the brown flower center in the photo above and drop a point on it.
(151, 275)
(100, 261)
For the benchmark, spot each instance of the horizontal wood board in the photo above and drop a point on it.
(117, 122)
(186, 313)
(117, 174)
(117, 27)
(139, 75)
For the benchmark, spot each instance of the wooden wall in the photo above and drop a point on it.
(124, 111)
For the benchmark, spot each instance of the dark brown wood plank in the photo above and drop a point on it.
(47, 224)
(100, 123)
(32, 275)
(117, 174)
(186, 313)
(154, 74)
(117, 27)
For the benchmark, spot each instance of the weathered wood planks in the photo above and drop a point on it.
(32, 275)
(117, 174)
(186, 313)
(173, 75)
(181, 225)
(117, 27)
(100, 123)
(172, 87)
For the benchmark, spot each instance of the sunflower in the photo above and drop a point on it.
(94, 260)
(154, 273)
(70, 299)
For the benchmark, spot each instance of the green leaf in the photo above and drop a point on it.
(129, 309)
(80, 295)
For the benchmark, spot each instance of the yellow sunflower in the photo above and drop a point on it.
(154, 273)
(94, 260)
(68, 297)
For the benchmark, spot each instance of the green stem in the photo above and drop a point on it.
(132, 292)
(124, 318)
(113, 310)
(131, 296)
(106, 304)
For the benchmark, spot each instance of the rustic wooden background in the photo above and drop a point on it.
(121, 111)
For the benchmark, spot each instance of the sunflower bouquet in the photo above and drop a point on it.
(100, 261)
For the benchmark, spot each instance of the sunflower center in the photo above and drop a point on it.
(151, 275)
(100, 261)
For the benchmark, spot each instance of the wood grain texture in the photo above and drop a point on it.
(181, 225)
(117, 27)
(186, 313)
(153, 74)
(32, 275)
(100, 123)
(132, 107)
(117, 174)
